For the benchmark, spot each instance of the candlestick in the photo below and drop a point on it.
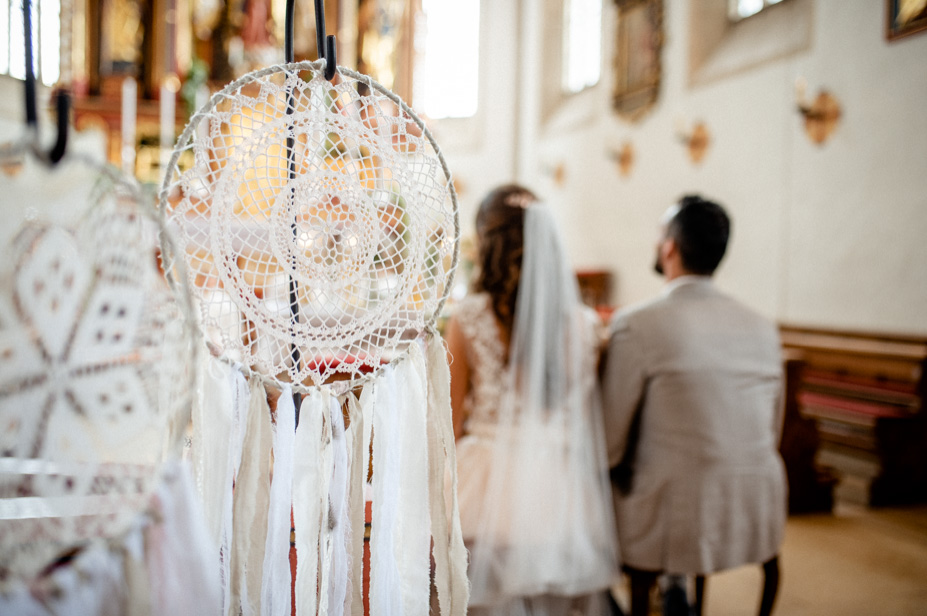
(168, 116)
(127, 151)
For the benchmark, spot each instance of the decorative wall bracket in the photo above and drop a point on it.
(696, 141)
(623, 158)
(821, 116)
(556, 172)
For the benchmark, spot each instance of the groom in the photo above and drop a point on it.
(691, 394)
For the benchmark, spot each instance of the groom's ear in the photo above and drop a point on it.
(669, 247)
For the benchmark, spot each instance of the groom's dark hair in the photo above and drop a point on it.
(701, 229)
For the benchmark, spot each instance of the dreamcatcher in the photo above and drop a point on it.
(97, 515)
(95, 381)
(319, 228)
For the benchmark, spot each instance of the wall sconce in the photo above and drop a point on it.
(624, 158)
(556, 172)
(821, 116)
(696, 141)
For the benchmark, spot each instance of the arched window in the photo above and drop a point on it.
(46, 28)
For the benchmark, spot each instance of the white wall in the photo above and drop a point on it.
(830, 235)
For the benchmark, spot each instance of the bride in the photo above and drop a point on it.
(535, 502)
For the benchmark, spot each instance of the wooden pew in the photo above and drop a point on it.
(811, 486)
(865, 396)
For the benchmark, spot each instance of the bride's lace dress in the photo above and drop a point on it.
(537, 519)
(487, 359)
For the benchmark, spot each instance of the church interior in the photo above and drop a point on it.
(804, 118)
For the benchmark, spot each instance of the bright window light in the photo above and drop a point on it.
(582, 42)
(448, 72)
(46, 33)
(4, 37)
(15, 50)
(49, 40)
(741, 9)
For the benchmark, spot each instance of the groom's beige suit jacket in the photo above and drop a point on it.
(709, 489)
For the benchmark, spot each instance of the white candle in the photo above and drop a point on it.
(202, 97)
(127, 152)
(168, 92)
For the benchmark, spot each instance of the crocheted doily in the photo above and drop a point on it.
(96, 365)
(318, 222)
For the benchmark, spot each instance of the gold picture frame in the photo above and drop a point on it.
(904, 17)
(638, 50)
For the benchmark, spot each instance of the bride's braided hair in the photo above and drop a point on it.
(500, 228)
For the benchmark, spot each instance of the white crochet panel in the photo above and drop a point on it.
(95, 371)
(317, 220)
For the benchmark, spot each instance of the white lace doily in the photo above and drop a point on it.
(340, 243)
(96, 366)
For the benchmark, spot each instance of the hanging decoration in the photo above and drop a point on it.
(347, 260)
(319, 226)
(96, 375)
(97, 514)
(696, 141)
(623, 158)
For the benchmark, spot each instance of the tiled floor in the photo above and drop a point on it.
(856, 562)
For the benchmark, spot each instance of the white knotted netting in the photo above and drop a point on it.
(318, 222)
(96, 362)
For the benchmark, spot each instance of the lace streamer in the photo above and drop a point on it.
(252, 499)
(357, 503)
(340, 522)
(276, 583)
(385, 583)
(223, 402)
(310, 498)
(400, 531)
(449, 551)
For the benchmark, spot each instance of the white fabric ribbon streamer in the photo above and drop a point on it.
(310, 498)
(276, 581)
(211, 437)
(220, 408)
(323, 495)
(385, 591)
(450, 554)
(252, 499)
(340, 523)
(415, 531)
(400, 537)
(180, 554)
(319, 474)
(357, 479)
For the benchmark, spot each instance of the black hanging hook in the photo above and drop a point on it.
(326, 50)
(325, 45)
(62, 103)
